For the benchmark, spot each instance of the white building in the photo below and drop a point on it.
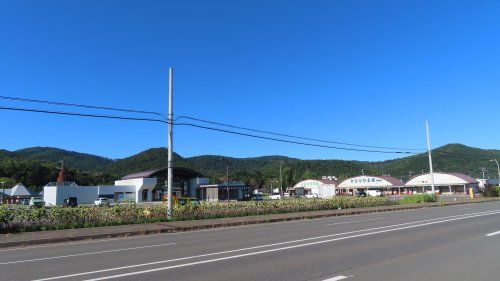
(449, 183)
(324, 188)
(137, 190)
(364, 182)
(139, 187)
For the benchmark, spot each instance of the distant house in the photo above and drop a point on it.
(235, 190)
(449, 183)
(17, 193)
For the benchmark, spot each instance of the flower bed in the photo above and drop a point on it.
(25, 219)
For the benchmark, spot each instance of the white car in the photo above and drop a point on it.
(311, 195)
(275, 197)
(373, 192)
(101, 202)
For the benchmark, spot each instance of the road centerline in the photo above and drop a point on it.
(88, 253)
(450, 218)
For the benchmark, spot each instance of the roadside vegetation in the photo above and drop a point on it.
(419, 198)
(26, 219)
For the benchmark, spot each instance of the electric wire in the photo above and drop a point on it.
(290, 141)
(193, 125)
(81, 114)
(81, 105)
(291, 136)
(196, 119)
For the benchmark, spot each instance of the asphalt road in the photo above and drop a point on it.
(448, 243)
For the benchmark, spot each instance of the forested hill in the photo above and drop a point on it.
(38, 165)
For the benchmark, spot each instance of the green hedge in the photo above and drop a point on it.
(419, 198)
(25, 219)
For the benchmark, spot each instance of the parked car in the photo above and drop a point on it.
(24, 201)
(311, 195)
(374, 192)
(275, 197)
(257, 197)
(361, 194)
(70, 202)
(101, 202)
(36, 202)
(182, 201)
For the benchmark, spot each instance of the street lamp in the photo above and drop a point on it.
(498, 167)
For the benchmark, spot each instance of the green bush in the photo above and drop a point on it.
(491, 191)
(419, 198)
(26, 219)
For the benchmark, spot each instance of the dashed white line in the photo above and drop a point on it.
(347, 222)
(493, 233)
(87, 254)
(337, 278)
(411, 225)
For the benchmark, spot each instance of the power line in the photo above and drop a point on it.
(194, 119)
(192, 125)
(81, 105)
(81, 114)
(292, 136)
(289, 141)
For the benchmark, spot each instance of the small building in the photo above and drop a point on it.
(448, 183)
(136, 190)
(324, 187)
(139, 187)
(17, 193)
(484, 183)
(363, 182)
(214, 192)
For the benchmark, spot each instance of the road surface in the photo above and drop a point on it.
(449, 243)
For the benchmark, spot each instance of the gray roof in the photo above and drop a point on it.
(18, 190)
(21, 190)
(153, 173)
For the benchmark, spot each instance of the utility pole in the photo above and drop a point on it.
(281, 180)
(430, 155)
(227, 180)
(483, 170)
(498, 169)
(170, 176)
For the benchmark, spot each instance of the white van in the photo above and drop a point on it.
(373, 192)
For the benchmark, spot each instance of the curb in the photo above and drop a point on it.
(202, 225)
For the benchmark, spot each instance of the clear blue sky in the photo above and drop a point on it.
(368, 72)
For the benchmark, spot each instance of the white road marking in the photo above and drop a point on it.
(276, 249)
(347, 222)
(77, 242)
(493, 234)
(337, 278)
(432, 221)
(87, 254)
(213, 229)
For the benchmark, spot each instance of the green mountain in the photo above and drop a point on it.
(150, 159)
(81, 161)
(38, 165)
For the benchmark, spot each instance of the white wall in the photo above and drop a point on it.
(140, 185)
(439, 179)
(55, 195)
(195, 183)
(326, 191)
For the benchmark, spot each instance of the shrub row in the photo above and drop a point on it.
(24, 219)
(419, 198)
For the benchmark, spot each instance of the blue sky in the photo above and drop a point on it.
(367, 72)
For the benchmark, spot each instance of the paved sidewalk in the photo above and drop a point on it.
(44, 237)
